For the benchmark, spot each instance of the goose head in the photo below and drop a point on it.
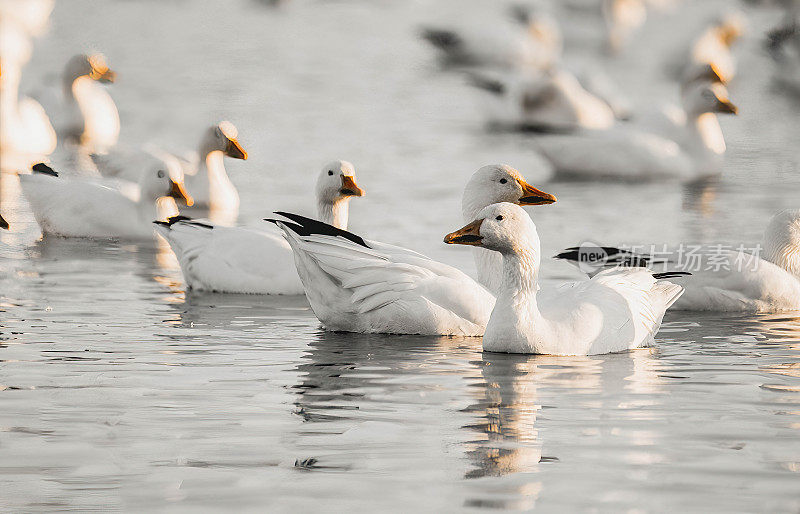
(222, 138)
(708, 98)
(92, 66)
(782, 241)
(730, 27)
(336, 185)
(502, 227)
(160, 181)
(337, 181)
(497, 183)
(541, 26)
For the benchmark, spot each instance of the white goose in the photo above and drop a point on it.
(207, 179)
(86, 115)
(355, 285)
(616, 310)
(25, 129)
(79, 207)
(637, 153)
(712, 46)
(746, 283)
(245, 260)
(552, 100)
(532, 41)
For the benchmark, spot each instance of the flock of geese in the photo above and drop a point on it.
(100, 189)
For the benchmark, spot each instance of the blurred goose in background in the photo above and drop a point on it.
(25, 130)
(712, 46)
(355, 285)
(245, 260)
(526, 40)
(84, 115)
(616, 310)
(745, 283)
(783, 44)
(635, 153)
(623, 18)
(30, 15)
(83, 207)
(553, 100)
(670, 120)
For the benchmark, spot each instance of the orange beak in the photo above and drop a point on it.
(235, 150)
(349, 187)
(177, 191)
(468, 235)
(533, 196)
(103, 76)
(727, 107)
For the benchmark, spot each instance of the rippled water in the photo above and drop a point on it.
(120, 391)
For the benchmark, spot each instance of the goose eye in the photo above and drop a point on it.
(160, 173)
(503, 181)
(330, 173)
(499, 217)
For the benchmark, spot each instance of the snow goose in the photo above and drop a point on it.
(743, 282)
(711, 46)
(355, 285)
(25, 129)
(82, 207)
(83, 114)
(245, 260)
(533, 41)
(205, 176)
(617, 310)
(622, 18)
(553, 100)
(637, 153)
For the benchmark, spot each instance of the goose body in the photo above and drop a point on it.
(746, 282)
(244, 260)
(231, 259)
(82, 207)
(367, 286)
(614, 311)
(694, 150)
(524, 41)
(549, 101)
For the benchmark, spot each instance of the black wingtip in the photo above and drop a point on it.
(304, 226)
(3, 223)
(671, 274)
(44, 169)
(487, 84)
(190, 221)
(440, 38)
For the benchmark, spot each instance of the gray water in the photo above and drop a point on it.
(119, 390)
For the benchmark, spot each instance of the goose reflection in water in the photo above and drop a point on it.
(522, 393)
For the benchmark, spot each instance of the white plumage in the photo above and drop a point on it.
(695, 148)
(616, 310)
(83, 207)
(380, 288)
(255, 261)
